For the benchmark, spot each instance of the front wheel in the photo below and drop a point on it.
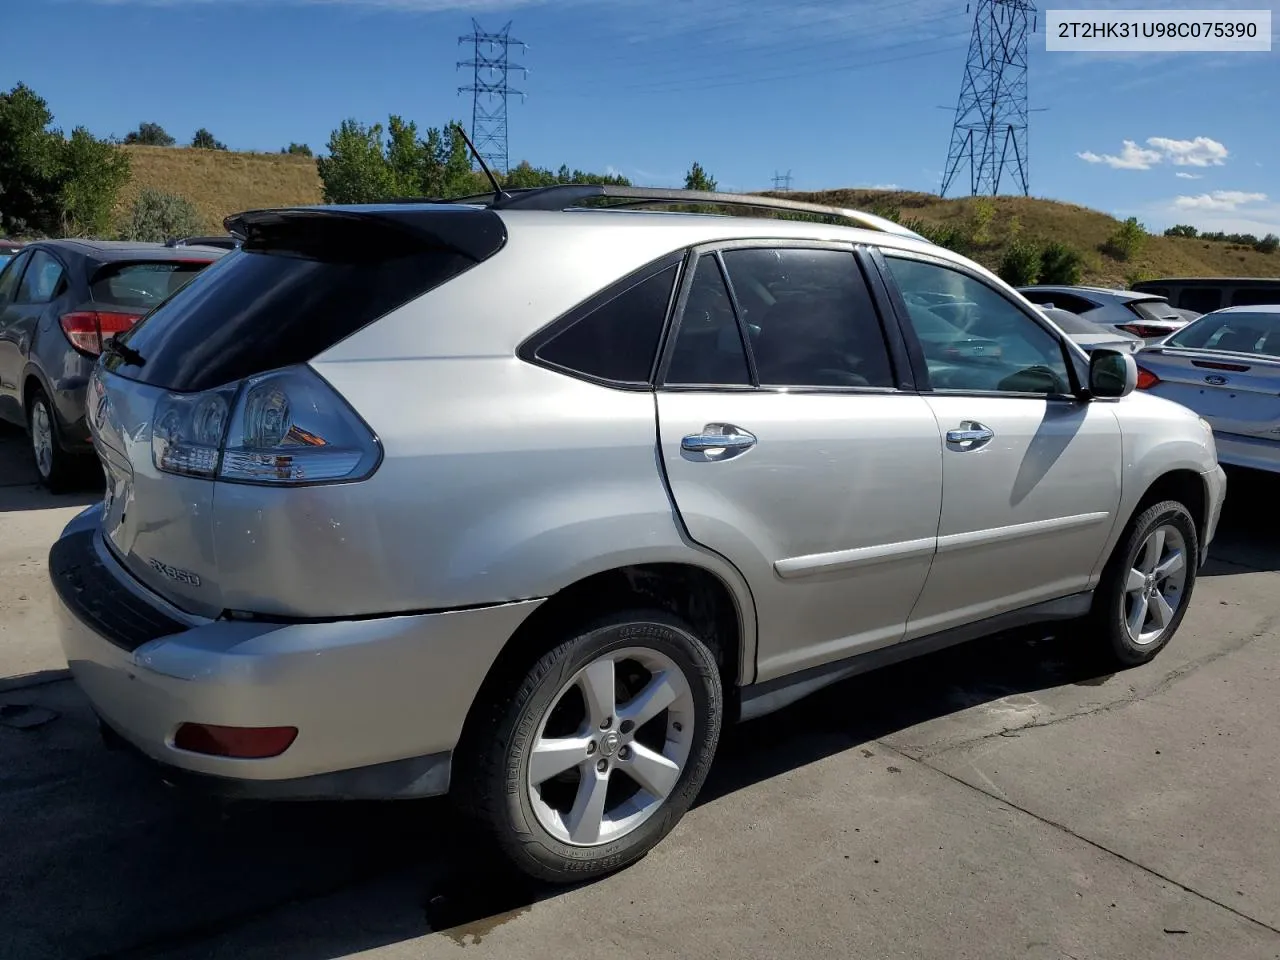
(596, 755)
(1147, 586)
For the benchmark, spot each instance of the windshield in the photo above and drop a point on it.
(1232, 333)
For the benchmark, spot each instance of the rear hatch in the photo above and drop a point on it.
(1237, 393)
(181, 402)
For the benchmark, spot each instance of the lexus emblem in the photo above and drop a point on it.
(1216, 380)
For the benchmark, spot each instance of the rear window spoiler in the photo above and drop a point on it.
(370, 232)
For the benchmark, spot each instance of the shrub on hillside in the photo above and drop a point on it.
(1268, 244)
(157, 216)
(1060, 264)
(204, 140)
(297, 149)
(1020, 265)
(981, 215)
(150, 135)
(1128, 240)
(1181, 230)
(950, 235)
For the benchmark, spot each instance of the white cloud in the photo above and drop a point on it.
(1219, 200)
(1189, 176)
(1200, 152)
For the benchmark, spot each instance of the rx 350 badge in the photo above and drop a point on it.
(175, 574)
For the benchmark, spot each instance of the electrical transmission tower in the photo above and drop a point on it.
(491, 66)
(989, 134)
(782, 181)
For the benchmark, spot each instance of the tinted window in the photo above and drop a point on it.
(1255, 296)
(996, 346)
(1153, 310)
(1063, 301)
(1201, 299)
(809, 317)
(708, 347)
(9, 277)
(1069, 322)
(41, 280)
(253, 311)
(140, 285)
(1232, 332)
(618, 339)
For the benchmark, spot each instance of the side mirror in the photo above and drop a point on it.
(1112, 373)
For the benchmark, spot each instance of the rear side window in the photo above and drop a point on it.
(616, 340)
(1200, 299)
(708, 347)
(42, 280)
(816, 323)
(1070, 302)
(141, 285)
(255, 311)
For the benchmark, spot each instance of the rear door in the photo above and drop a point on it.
(10, 367)
(1031, 474)
(43, 281)
(795, 447)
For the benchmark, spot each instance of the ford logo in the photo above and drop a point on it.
(1216, 380)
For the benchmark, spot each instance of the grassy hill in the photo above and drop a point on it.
(220, 183)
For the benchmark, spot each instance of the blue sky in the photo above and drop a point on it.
(840, 94)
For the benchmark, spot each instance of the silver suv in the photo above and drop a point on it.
(523, 499)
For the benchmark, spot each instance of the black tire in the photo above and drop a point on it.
(493, 764)
(61, 472)
(1107, 627)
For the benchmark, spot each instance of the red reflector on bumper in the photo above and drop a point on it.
(250, 743)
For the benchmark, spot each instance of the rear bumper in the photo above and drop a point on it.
(378, 703)
(1248, 452)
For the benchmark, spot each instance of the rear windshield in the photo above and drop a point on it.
(256, 311)
(1158, 310)
(1071, 323)
(1232, 332)
(141, 285)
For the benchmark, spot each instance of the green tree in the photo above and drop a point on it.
(982, 213)
(699, 179)
(156, 216)
(355, 171)
(1020, 265)
(297, 149)
(29, 163)
(1181, 230)
(1127, 241)
(150, 135)
(204, 140)
(1268, 244)
(1060, 264)
(92, 174)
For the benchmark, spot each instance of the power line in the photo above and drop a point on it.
(782, 181)
(490, 90)
(989, 132)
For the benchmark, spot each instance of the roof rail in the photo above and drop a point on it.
(566, 196)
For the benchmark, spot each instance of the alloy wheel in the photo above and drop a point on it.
(42, 438)
(1155, 586)
(611, 747)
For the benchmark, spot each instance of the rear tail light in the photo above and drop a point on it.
(1145, 331)
(1146, 379)
(287, 427)
(248, 743)
(89, 329)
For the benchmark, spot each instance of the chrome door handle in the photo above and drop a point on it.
(718, 436)
(970, 432)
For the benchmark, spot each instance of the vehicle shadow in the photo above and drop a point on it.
(100, 860)
(19, 486)
(1249, 533)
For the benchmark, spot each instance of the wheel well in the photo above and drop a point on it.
(29, 388)
(1184, 486)
(697, 596)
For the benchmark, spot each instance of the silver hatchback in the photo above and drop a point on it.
(522, 500)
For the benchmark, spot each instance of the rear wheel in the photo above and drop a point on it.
(1147, 585)
(598, 750)
(55, 467)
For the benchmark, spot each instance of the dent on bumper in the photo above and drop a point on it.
(380, 702)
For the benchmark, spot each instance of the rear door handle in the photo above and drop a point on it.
(969, 433)
(719, 436)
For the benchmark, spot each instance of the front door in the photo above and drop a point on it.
(789, 451)
(11, 361)
(1031, 473)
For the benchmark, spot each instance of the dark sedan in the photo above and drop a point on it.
(60, 302)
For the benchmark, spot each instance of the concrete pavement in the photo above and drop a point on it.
(998, 800)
